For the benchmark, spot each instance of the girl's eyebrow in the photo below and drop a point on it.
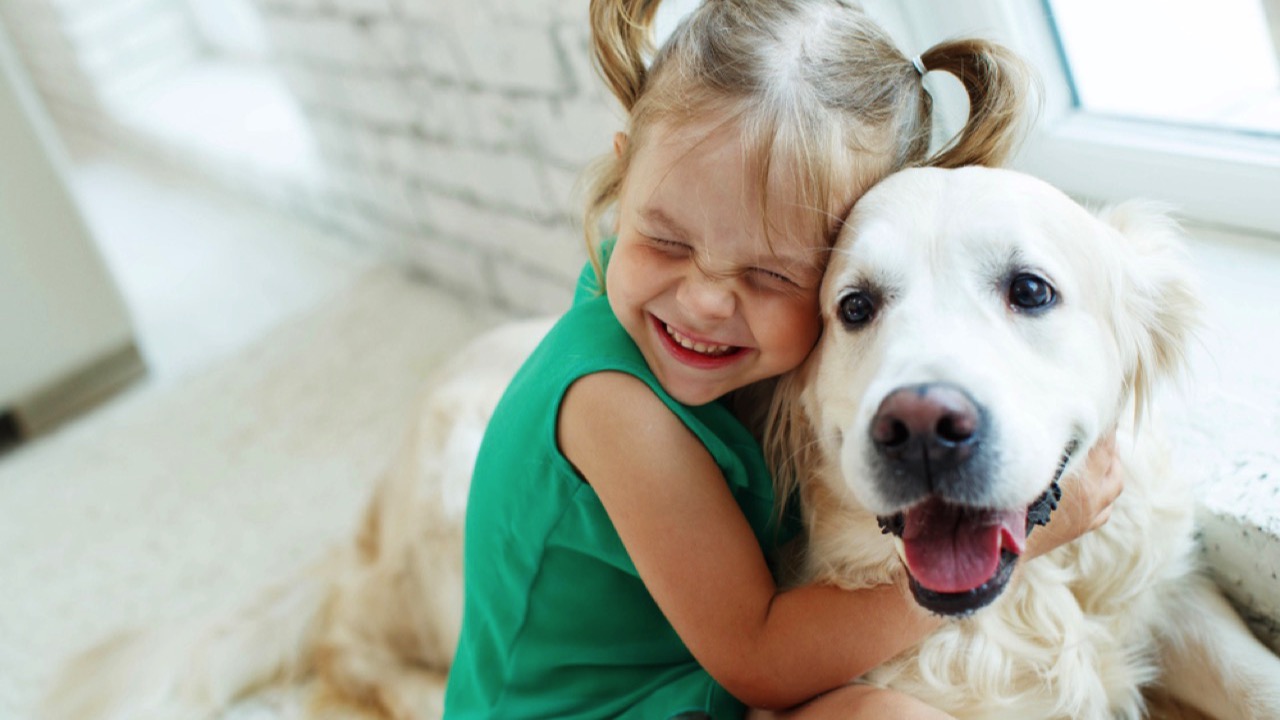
(802, 271)
(664, 222)
(810, 263)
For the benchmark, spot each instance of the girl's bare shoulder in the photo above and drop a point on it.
(613, 419)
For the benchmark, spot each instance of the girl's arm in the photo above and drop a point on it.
(699, 559)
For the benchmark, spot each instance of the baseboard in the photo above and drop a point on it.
(74, 393)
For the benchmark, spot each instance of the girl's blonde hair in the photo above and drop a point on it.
(809, 83)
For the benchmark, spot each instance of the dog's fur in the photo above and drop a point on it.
(1081, 632)
(376, 620)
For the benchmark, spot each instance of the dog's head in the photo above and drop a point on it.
(981, 332)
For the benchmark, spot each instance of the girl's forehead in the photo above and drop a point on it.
(668, 148)
(801, 188)
(677, 171)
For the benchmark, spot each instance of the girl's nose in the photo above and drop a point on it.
(707, 296)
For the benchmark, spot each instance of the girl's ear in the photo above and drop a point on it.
(1158, 306)
(620, 141)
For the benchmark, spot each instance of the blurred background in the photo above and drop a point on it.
(236, 235)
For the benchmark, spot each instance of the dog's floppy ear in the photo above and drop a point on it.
(789, 441)
(1157, 305)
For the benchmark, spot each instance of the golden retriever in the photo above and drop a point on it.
(982, 332)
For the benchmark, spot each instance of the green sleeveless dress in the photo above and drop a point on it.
(557, 623)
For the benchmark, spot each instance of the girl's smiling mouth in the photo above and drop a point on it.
(700, 348)
(691, 351)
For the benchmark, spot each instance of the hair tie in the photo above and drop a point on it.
(918, 64)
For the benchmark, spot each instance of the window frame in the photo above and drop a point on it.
(1212, 176)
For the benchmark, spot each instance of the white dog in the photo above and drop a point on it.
(981, 333)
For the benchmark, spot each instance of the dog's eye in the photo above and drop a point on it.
(856, 308)
(1031, 292)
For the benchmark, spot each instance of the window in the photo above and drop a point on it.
(1175, 100)
(1209, 65)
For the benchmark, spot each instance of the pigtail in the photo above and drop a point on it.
(603, 180)
(998, 84)
(620, 38)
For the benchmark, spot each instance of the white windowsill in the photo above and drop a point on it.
(1226, 424)
(1236, 175)
(225, 113)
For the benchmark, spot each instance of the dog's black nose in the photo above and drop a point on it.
(928, 429)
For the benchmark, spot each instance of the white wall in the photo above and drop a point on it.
(453, 132)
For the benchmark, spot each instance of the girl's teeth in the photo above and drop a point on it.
(697, 347)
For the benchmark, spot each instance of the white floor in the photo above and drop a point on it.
(285, 369)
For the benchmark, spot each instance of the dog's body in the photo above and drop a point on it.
(935, 305)
(376, 620)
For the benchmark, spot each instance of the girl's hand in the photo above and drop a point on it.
(1086, 500)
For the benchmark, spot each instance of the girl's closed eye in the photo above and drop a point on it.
(673, 247)
(773, 279)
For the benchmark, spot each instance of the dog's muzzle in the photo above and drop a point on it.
(959, 551)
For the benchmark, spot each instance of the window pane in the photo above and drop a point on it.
(1190, 62)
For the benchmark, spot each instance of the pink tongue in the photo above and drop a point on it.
(952, 549)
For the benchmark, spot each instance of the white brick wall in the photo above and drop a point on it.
(473, 116)
(445, 127)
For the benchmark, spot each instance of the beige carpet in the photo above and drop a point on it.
(187, 496)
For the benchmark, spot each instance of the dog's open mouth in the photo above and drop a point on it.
(953, 549)
(959, 558)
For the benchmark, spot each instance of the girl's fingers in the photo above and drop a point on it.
(1103, 480)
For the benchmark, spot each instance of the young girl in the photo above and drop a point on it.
(622, 522)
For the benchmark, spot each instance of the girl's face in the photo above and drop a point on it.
(711, 304)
